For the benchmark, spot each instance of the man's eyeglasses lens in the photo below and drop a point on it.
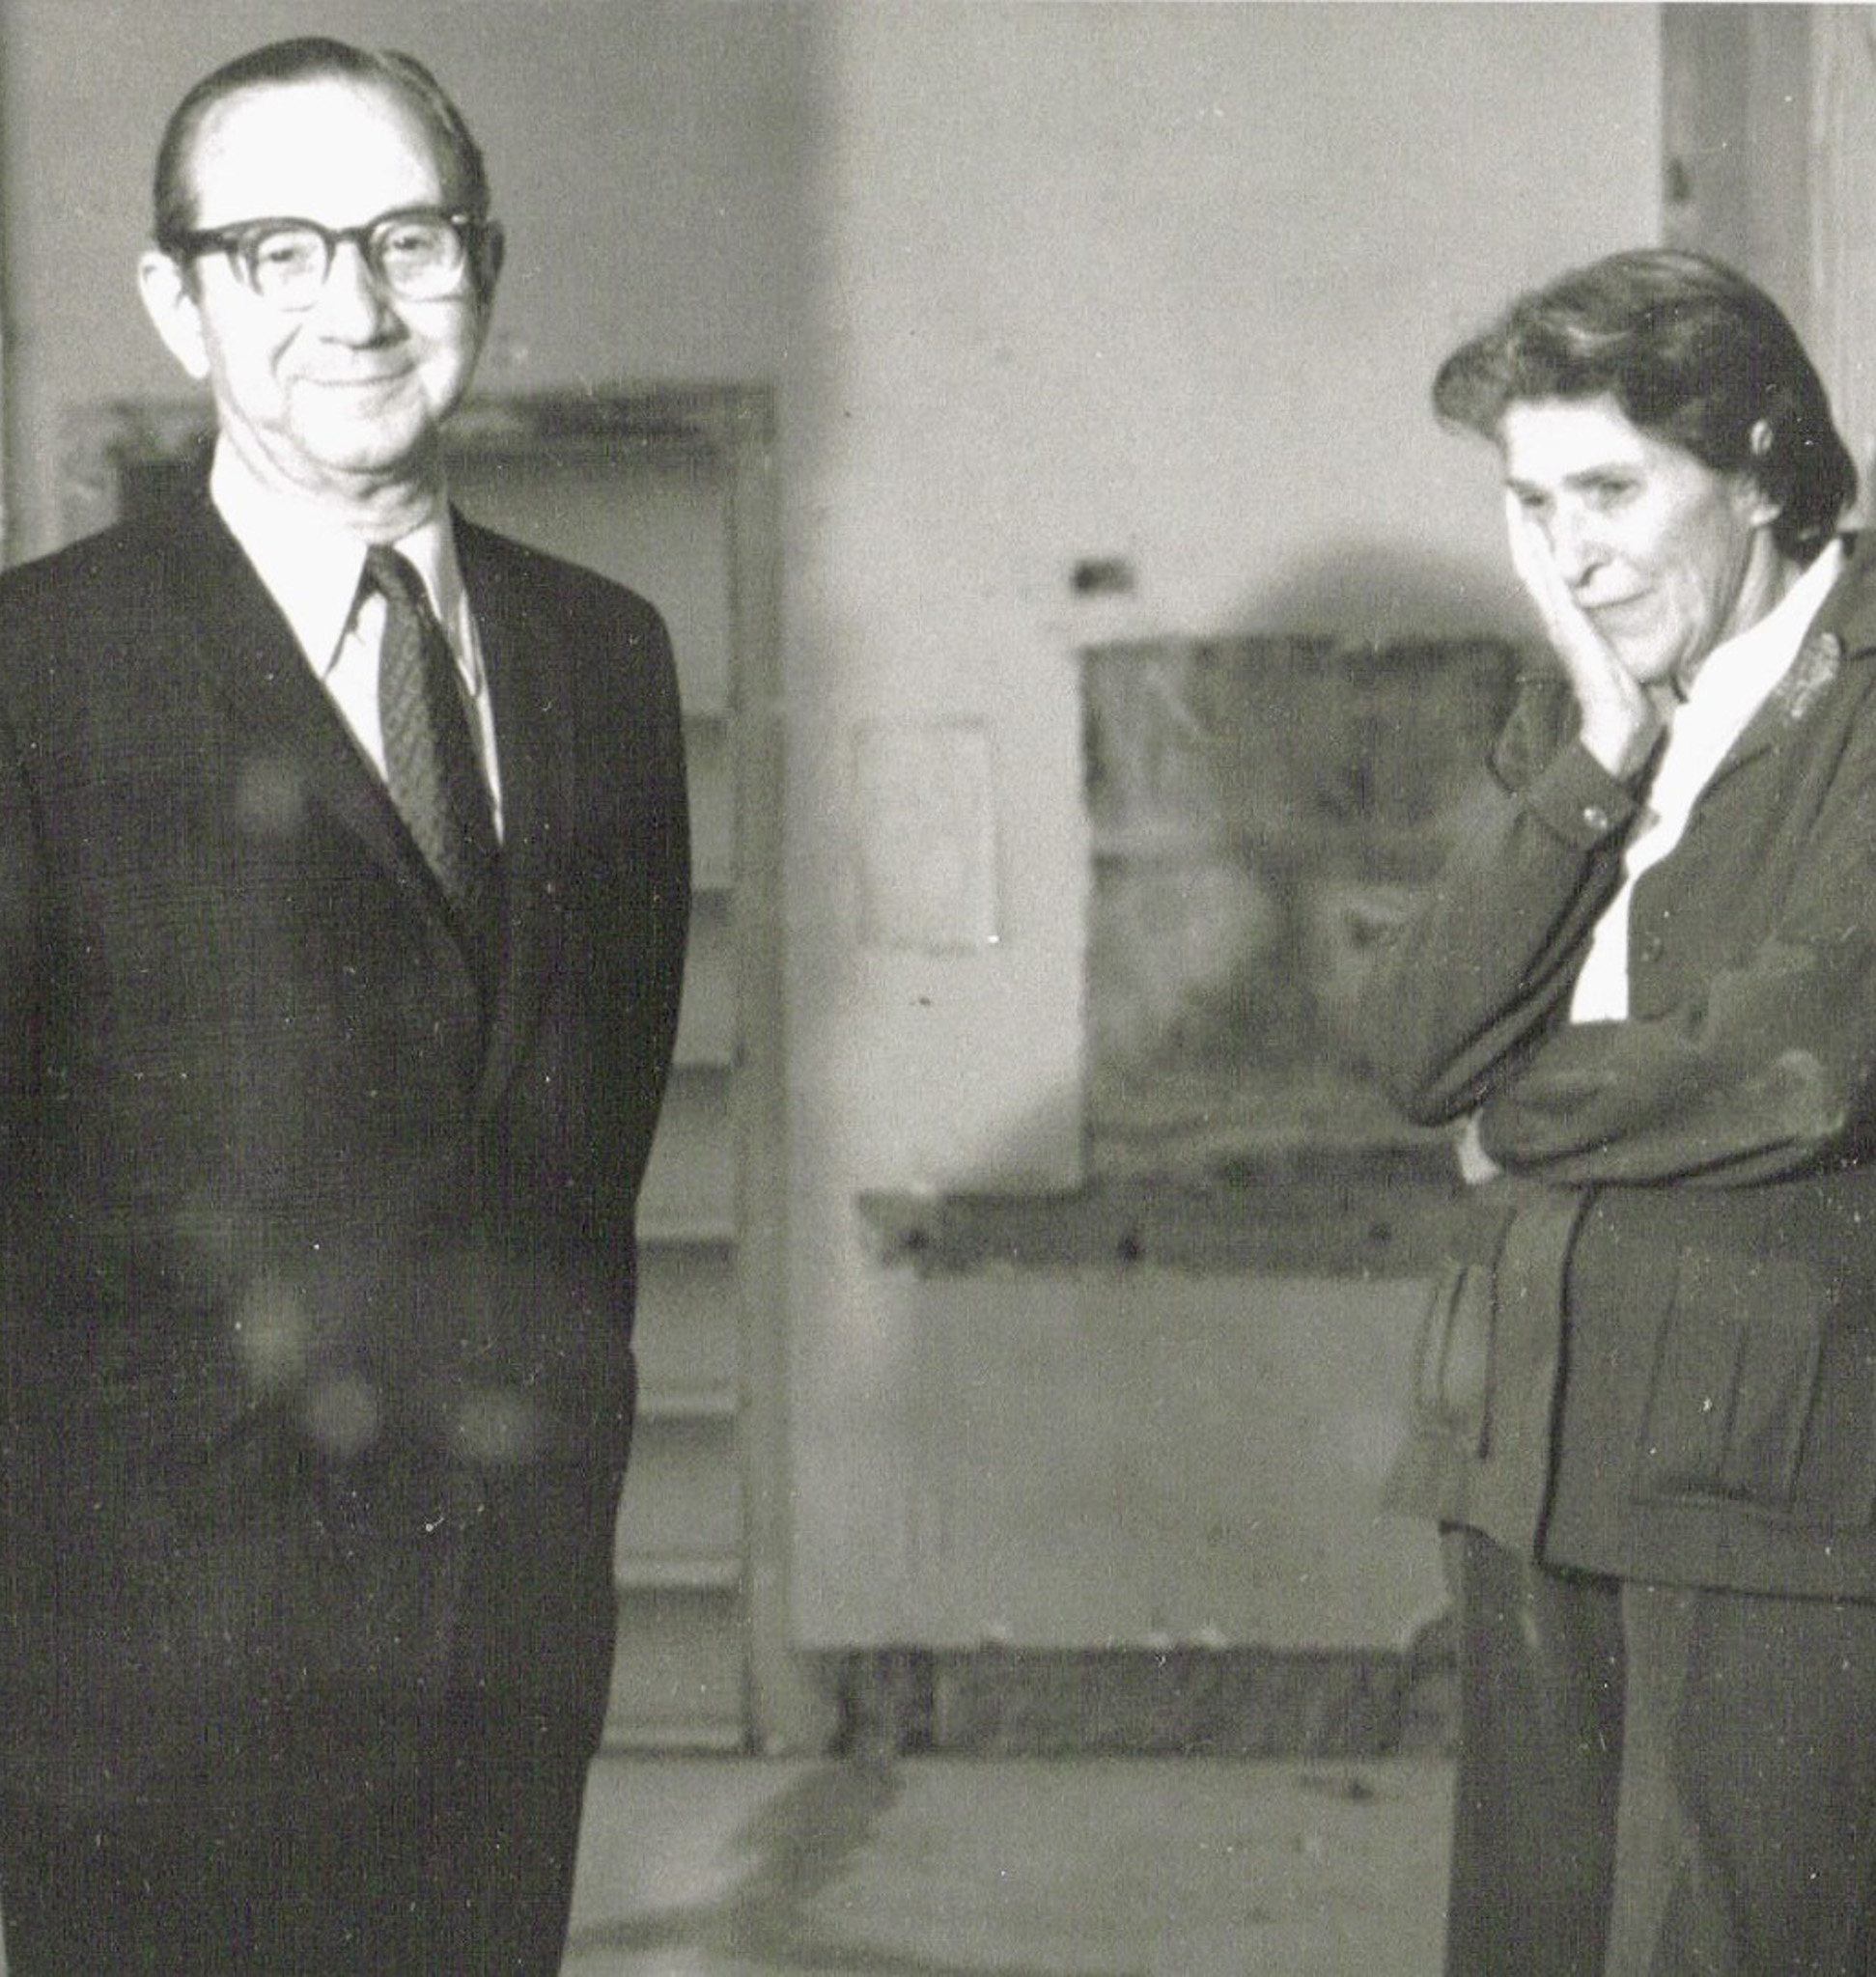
(418, 256)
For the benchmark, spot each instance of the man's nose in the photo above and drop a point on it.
(353, 303)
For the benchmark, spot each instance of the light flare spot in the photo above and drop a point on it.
(341, 1414)
(271, 1336)
(498, 1428)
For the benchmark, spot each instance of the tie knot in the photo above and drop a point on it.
(396, 577)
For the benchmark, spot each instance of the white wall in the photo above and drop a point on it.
(1169, 283)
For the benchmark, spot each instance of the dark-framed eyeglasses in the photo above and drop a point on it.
(418, 253)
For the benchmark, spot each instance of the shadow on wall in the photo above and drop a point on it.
(1262, 809)
(1380, 591)
(1262, 804)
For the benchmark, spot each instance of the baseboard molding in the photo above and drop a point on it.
(1227, 1701)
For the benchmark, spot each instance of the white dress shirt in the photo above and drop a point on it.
(312, 569)
(1732, 685)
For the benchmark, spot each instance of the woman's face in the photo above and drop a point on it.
(1664, 555)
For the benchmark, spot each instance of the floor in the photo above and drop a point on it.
(959, 1867)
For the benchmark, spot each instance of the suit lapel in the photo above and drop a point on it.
(509, 625)
(295, 734)
(263, 680)
(266, 687)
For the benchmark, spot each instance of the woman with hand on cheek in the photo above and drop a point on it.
(1643, 993)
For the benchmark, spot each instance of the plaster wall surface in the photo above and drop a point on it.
(1161, 286)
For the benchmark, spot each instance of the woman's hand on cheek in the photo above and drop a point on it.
(1621, 719)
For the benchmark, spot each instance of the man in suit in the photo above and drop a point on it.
(342, 900)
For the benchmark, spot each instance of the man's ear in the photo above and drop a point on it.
(169, 300)
(491, 247)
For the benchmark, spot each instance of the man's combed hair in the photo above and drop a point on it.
(310, 57)
(1692, 353)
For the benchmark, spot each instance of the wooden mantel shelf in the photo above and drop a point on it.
(1327, 1213)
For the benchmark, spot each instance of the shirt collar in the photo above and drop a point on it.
(311, 567)
(1741, 671)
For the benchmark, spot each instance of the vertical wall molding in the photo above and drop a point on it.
(1736, 149)
(1769, 157)
(1840, 237)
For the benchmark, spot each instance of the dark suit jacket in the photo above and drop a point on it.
(318, 1272)
(1663, 1363)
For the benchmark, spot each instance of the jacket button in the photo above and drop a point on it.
(1648, 947)
(1595, 817)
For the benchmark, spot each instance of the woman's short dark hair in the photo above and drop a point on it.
(1692, 353)
(310, 57)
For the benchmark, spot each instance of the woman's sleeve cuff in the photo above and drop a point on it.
(1580, 800)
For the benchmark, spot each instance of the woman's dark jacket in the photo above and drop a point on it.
(1658, 1358)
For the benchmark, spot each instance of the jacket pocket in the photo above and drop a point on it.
(1758, 1399)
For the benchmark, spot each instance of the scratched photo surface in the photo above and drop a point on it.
(1089, 645)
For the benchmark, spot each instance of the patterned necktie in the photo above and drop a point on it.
(430, 757)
